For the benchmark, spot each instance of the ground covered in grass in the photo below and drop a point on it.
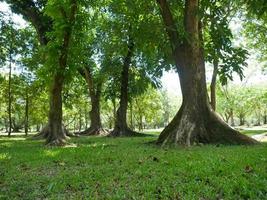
(130, 168)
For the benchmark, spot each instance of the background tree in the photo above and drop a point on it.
(9, 41)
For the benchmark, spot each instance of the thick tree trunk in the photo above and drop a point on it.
(56, 134)
(56, 131)
(121, 128)
(95, 90)
(213, 86)
(195, 122)
(96, 125)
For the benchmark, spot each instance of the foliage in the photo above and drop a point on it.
(218, 40)
(247, 104)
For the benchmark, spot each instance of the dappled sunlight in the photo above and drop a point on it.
(71, 145)
(4, 156)
(12, 138)
(101, 145)
(51, 153)
(6, 144)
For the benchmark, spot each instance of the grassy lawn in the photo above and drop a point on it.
(130, 168)
(253, 132)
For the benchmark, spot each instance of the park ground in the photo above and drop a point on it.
(130, 168)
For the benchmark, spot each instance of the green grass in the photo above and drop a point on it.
(246, 132)
(253, 132)
(130, 168)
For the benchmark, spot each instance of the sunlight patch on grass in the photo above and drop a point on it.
(4, 156)
(12, 138)
(51, 153)
(6, 144)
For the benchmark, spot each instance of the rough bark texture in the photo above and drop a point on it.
(45, 133)
(213, 86)
(95, 90)
(195, 122)
(56, 134)
(121, 128)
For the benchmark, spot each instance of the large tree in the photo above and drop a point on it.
(195, 122)
(138, 50)
(54, 32)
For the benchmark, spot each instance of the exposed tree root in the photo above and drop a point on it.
(44, 134)
(94, 131)
(125, 133)
(207, 128)
(57, 142)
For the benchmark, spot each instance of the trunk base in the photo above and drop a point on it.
(94, 132)
(44, 134)
(204, 128)
(57, 142)
(125, 133)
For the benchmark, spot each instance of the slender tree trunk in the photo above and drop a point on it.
(226, 117)
(232, 117)
(241, 120)
(9, 95)
(131, 116)
(195, 122)
(121, 128)
(140, 122)
(114, 110)
(265, 118)
(213, 85)
(6, 124)
(37, 128)
(86, 118)
(80, 121)
(26, 125)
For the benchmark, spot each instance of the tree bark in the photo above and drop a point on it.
(213, 86)
(95, 90)
(57, 134)
(121, 128)
(195, 122)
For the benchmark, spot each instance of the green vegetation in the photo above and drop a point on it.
(75, 71)
(130, 168)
